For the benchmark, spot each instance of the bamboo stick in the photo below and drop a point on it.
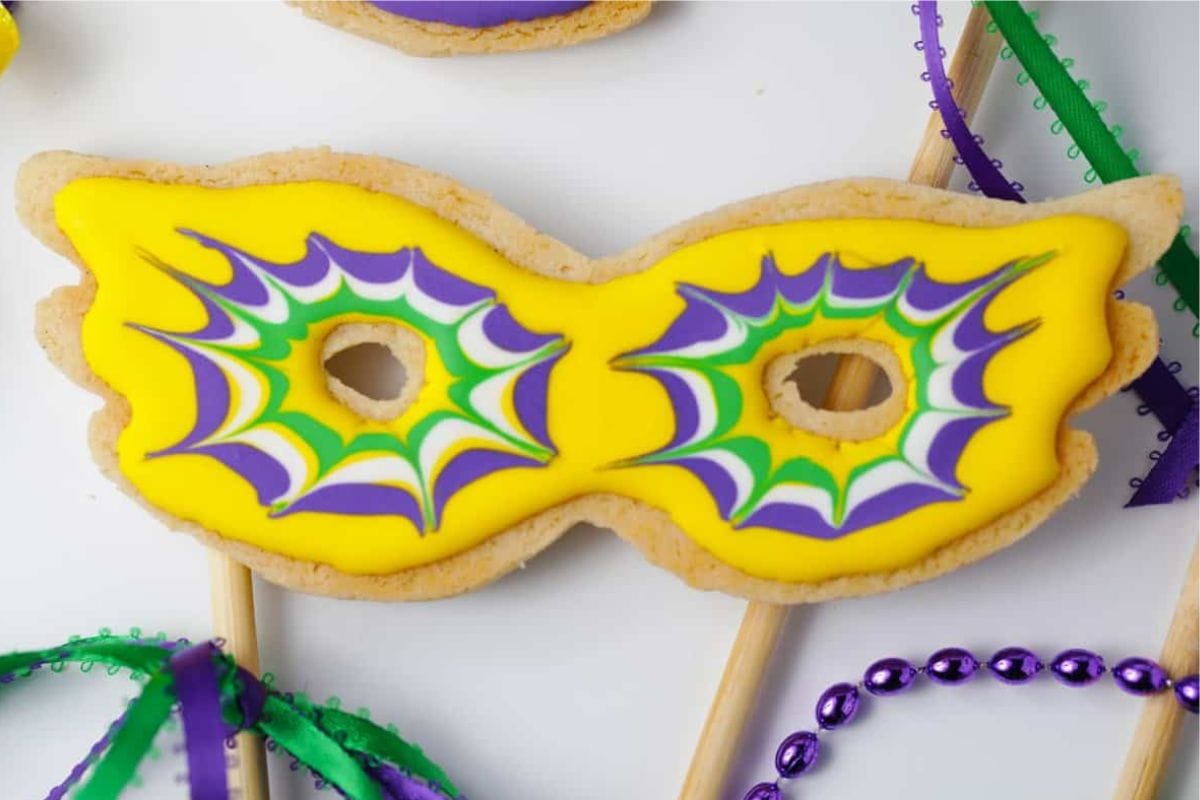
(733, 705)
(1154, 739)
(232, 590)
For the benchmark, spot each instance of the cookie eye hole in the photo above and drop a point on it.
(812, 376)
(374, 369)
(369, 369)
(797, 383)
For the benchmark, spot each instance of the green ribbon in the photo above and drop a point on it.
(133, 740)
(116, 652)
(338, 746)
(302, 737)
(365, 736)
(1084, 124)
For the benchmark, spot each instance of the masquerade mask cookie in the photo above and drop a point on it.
(651, 393)
(434, 28)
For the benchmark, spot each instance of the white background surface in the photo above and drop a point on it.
(587, 675)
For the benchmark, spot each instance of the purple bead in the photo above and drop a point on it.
(1077, 667)
(837, 706)
(889, 676)
(797, 753)
(1015, 665)
(951, 665)
(763, 791)
(1187, 692)
(1140, 676)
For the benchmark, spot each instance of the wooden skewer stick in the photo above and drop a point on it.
(1154, 739)
(232, 590)
(732, 707)
(849, 389)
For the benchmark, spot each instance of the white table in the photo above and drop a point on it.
(588, 674)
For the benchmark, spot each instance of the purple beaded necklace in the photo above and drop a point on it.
(839, 704)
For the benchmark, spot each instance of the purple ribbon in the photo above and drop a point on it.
(204, 731)
(403, 787)
(1158, 388)
(1164, 395)
(1175, 408)
(251, 697)
(1162, 483)
(983, 169)
(59, 792)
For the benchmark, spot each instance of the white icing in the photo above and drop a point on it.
(243, 334)
(856, 303)
(942, 345)
(939, 389)
(381, 468)
(882, 477)
(431, 307)
(445, 436)
(737, 471)
(922, 317)
(276, 308)
(706, 404)
(482, 350)
(732, 337)
(389, 290)
(488, 401)
(327, 286)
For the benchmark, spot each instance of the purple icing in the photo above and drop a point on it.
(967, 381)
(892, 503)
(369, 267)
(925, 294)
(876, 283)
(716, 480)
(478, 13)
(972, 332)
(799, 289)
(806, 521)
(359, 499)
(530, 395)
(699, 322)
(865, 293)
(219, 324)
(244, 288)
(469, 466)
(212, 393)
(445, 286)
(759, 301)
(791, 519)
(268, 477)
(309, 270)
(501, 328)
(949, 443)
(248, 287)
(683, 403)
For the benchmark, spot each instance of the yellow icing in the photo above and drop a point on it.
(598, 416)
(10, 38)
